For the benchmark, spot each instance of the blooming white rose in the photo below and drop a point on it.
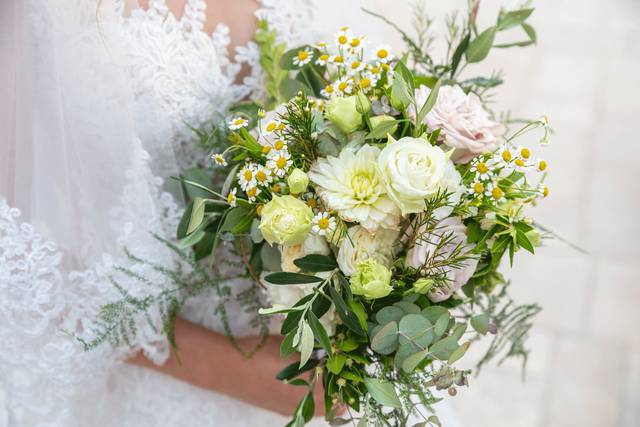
(351, 185)
(463, 123)
(313, 244)
(425, 248)
(362, 245)
(415, 170)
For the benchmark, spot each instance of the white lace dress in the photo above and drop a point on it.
(181, 76)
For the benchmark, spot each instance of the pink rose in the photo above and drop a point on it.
(425, 247)
(464, 124)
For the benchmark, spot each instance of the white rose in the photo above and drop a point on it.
(463, 123)
(362, 245)
(425, 247)
(415, 170)
(313, 244)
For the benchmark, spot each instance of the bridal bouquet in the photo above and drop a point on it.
(374, 202)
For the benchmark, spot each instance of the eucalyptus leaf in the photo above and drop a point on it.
(417, 329)
(407, 307)
(480, 46)
(389, 314)
(441, 325)
(480, 323)
(459, 353)
(411, 362)
(434, 312)
(385, 341)
(444, 348)
(383, 392)
(270, 258)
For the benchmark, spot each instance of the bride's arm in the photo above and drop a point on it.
(207, 360)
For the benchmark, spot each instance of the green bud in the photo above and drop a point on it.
(298, 181)
(363, 105)
(342, 112)
(400, 94)
(423, 285)
(377, 120)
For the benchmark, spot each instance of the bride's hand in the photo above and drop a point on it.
(206, 359)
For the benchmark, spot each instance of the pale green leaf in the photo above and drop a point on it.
(383, 392)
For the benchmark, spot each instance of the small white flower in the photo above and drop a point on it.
(355, 66)
(322, 59)
(263, 176)
(368, 81)
(280, 163)
(344, 86)
(231, 197)
(494, 192)
(383, 54)
(337, 60)
(541, 165)
(323, 224)
(252, 192)
(477, 188)
(344, 37)
(273, 126)
(328, 91)
(303, 57)
(219, 159)
(483, 170)
(238, 123)
(246, 176)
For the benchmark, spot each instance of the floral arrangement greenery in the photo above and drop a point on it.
(373, 198)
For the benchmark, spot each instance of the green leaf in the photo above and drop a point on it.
(198, 176)
(457, 54)
(441, 325)
(286, 62)
(430, 102)
(184, 221)
(444, 348)
(336, 362)
(434, 312)
(192, 238)
(197, 214)
(381, 131)
(389, 314)
(238, 220)
(284, 278)
(286, 347)
(360, 312)
(524, 241)
(385, 341)
(308, 407)
(407, 307)
(459, 352)
(403, 71)
(417, 329)
(305, 347)
(291, 322)
(480, 323)
(459, 330)
(293, 370)
(319, 332)
(480, 46)
(349, 319)
(383, 392)
(289, 88)
(513, 18)
(411, 362)
(315, 262)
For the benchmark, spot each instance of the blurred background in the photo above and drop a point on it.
(584, 73)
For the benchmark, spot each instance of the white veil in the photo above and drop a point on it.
(75, 188)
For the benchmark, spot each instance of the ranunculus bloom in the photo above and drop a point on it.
(372, 280)
(415, 170)
(362, 245)
(425, 247)
(351, 185)
(285, 220)
(463, 123)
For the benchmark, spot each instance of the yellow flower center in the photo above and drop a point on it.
(271, 126)
(279, 145)
(482, 167)
(266, 149)
(261, 176)
(230, 198)
(312, 203)
(259, 209)
(355, 42)
(542, 165)
(382, 53)
(385, 67)
(281, 162)
(365, 82)
(375, 70)
(497, 193)
(302, 55)
(478, 187)
(343, 86)
(247, 174)
(506, 156)
(363, 185)
(261, 113)
(338, 59)
(324, 57)
(329, 89)
(355, 65)
(238, 121)
(343, 39)
(281, 126)
(323, 223)
(251, 192)
(520, 162)
(525, 153)
(545, 191)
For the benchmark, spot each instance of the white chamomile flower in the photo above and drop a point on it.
(303, 57)
(375, 70)
(231, 197)
(477, 188)
(355, 66)
(524, 153)
(263, 176)
(343, 37)
(482, 169)
(323, 224)
(356, 42)
(505, 155)
(522, 165)
(368, 81)
(278, 147)
(337, 60)
(280, 163)
(321, 44)
(311, 200)
(541, 165)
(238, 123)
(323, 59)
(494, 192)
(383, 54)
(219, 159)
(328, 91)
(261, 113)
(344, 86)
(252, 192)
(272, 126)
(246, 176)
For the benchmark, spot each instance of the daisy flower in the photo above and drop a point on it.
(541, 165)
(323, 224)
(494, 192)
(321, 44)
(356, 42)
(231, 197)
(477, 188)
(303, 57)
(337, 59)
(355, 66)
(263, 176)
(524, 153)
(481, 169)
(383, 54)
(322, 59)
(219, 159)
(328, 91)
(238, 123)
(246, 176)
(344, 86)
(344, 37)
(505, 155)
(280, 163)
(252, 192)
(272, 126)
(368, 81)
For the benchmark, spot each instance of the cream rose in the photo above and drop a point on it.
(362, 245)
(415, 170)
(285, 220)
(425, 247)
(463, 123)
(313, 244)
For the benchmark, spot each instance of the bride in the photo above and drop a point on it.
(97, 102)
